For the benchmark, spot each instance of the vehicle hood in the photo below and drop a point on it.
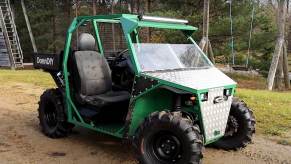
(195, 79)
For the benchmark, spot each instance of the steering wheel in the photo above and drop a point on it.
(121, 53)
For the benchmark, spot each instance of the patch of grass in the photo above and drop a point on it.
(35, 77)
(272, 110)
(249, 81)
(284, 142)
(240, 76)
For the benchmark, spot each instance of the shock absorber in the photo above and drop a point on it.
(177, 102)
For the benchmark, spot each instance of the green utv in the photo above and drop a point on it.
(169, 100)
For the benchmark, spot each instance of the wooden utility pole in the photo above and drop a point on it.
(205, 44)
(148, 7)
(28, 27)
(206, 21)
(94, 7)
(279, 48)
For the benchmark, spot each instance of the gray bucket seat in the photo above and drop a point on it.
(94, 84)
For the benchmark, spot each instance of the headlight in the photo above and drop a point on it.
(189, 100)
(204, 96)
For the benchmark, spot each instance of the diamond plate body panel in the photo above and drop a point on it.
(214, 116)
(196, 79)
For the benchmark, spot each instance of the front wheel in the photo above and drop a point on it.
(240, 127)
(167, 137)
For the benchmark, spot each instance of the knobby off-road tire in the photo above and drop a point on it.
(240, 127)
(165, 138)
(52, 116)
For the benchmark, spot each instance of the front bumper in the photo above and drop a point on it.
(215, 115)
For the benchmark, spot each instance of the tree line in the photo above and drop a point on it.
(50, 20)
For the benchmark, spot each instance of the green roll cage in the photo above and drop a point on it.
(130, 24)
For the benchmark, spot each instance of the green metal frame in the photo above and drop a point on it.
(146, 100)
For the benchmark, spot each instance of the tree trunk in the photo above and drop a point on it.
(285, 54)
(94, 7)
(138, 6)
(274, 63)
(285, 67)
(205, 43)
(132, 6)
(211, 54)
(148, 6)
(281, 20)
(28, 27)
(113, 30)
(129, 7)
(54, 26)
(279, 72)
(206, 18)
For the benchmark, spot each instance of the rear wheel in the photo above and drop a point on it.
(240, 127)
(52, 116)
(165, 138)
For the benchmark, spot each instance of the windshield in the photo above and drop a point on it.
(161, 56)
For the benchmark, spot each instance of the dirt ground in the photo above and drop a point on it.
(22, 142)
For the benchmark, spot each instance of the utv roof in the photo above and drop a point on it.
(131, 22)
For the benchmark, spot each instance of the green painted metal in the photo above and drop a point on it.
(147, 91)
(128, 27)
(116, 130)
(154, 100)
(133, 57)
(146, 102)
(69, 103)
(129, 23)
(100, 48)
(146, 99)
(136, 36)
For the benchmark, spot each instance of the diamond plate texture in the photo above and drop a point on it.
(215, 116)
(196, 79)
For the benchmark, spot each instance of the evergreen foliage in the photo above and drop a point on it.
(50, 20)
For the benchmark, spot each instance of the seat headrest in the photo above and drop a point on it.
(86, 42)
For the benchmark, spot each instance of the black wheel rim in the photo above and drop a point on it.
(231, 127)
(50, 115)
(167, 147)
